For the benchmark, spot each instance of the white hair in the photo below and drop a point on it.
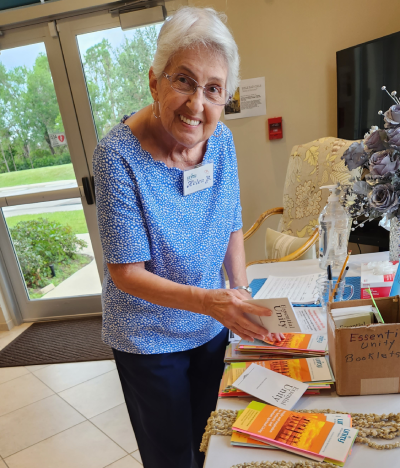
(191, 26)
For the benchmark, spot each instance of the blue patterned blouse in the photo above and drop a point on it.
(143, 216)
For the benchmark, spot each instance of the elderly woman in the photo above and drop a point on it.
(169, 216)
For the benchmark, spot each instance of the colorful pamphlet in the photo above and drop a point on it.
(291, 344)
(269, 386)
(243, 440)
(313, 437)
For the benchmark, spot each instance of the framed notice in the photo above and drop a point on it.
(248, 100)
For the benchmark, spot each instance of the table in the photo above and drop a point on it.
(221, 454)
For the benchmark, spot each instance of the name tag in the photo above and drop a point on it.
(198, 178)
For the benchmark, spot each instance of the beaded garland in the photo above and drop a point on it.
(384, 426)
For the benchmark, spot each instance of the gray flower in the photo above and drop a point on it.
(383, 198)
(374, 140)
(360, 187)
(393, 137)
(384, 162)
(355, 156)
(392, 116)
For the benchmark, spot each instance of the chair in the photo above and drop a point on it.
(310, 166)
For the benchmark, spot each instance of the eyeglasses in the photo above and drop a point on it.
(186, 85)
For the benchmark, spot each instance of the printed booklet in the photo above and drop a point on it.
(314, 371)
(242, 440)
(269, 386)
(315, 438)
(288, 319)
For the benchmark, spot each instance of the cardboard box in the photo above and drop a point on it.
(380, 284)
(366, 360)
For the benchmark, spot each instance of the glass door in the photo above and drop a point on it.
(48, 230)
(110, 70)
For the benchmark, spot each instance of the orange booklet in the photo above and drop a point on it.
(292, 341)
(312, 437)
(304, 370)
(242, 440)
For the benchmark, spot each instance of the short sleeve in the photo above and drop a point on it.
(123, 231)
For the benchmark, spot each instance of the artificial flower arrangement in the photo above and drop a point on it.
(376, 191)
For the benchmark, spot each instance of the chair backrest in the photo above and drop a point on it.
(311, 166)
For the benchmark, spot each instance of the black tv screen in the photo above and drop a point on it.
(362, 70)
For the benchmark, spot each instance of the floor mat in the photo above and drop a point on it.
(56, 342)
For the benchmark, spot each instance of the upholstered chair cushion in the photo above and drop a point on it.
(278, 245)
(311, 166)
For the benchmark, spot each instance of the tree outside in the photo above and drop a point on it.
(117, 82)
(116, 66)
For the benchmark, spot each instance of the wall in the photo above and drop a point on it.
(292, 43)
(6, 322)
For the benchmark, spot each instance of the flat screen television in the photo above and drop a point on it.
(362, 70)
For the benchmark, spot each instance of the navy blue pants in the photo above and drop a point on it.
(169, 398)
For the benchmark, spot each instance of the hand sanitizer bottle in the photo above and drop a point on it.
(333, 231)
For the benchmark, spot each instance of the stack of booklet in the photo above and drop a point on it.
(320, 437)
(355, 316)
(294, 345)
(316, 372)
(234, 354)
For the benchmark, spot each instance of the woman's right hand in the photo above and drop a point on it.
(227, 306)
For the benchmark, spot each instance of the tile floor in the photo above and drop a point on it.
(64, 416)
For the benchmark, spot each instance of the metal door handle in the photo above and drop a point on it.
(87, 190)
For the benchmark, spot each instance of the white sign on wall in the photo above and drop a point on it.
(248, 100)
(57, 139)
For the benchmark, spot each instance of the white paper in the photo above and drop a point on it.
(248, 100)
(271, 387)
(319, 369)
(198, 178)
(283, 318)
(299, 289)
(311, 319)
(318, 343)
(338, 442)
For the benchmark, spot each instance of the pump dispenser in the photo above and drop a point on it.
(333, 231)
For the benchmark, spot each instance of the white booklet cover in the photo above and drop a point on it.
(283, 318)
(289, 319)
(271, 387)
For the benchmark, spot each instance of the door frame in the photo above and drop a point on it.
(45, 309)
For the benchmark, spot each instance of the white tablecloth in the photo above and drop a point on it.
(221, 454)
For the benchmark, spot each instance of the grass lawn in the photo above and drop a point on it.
(62, 273)
(38, 175)
(75, 219)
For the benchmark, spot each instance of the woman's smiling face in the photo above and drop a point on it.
(190, 119)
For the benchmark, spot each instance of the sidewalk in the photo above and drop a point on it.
(84, 282)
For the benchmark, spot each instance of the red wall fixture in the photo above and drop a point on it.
(275, 128)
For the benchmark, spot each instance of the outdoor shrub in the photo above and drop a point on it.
(33, 268)
(41, 242)
(45, 159)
